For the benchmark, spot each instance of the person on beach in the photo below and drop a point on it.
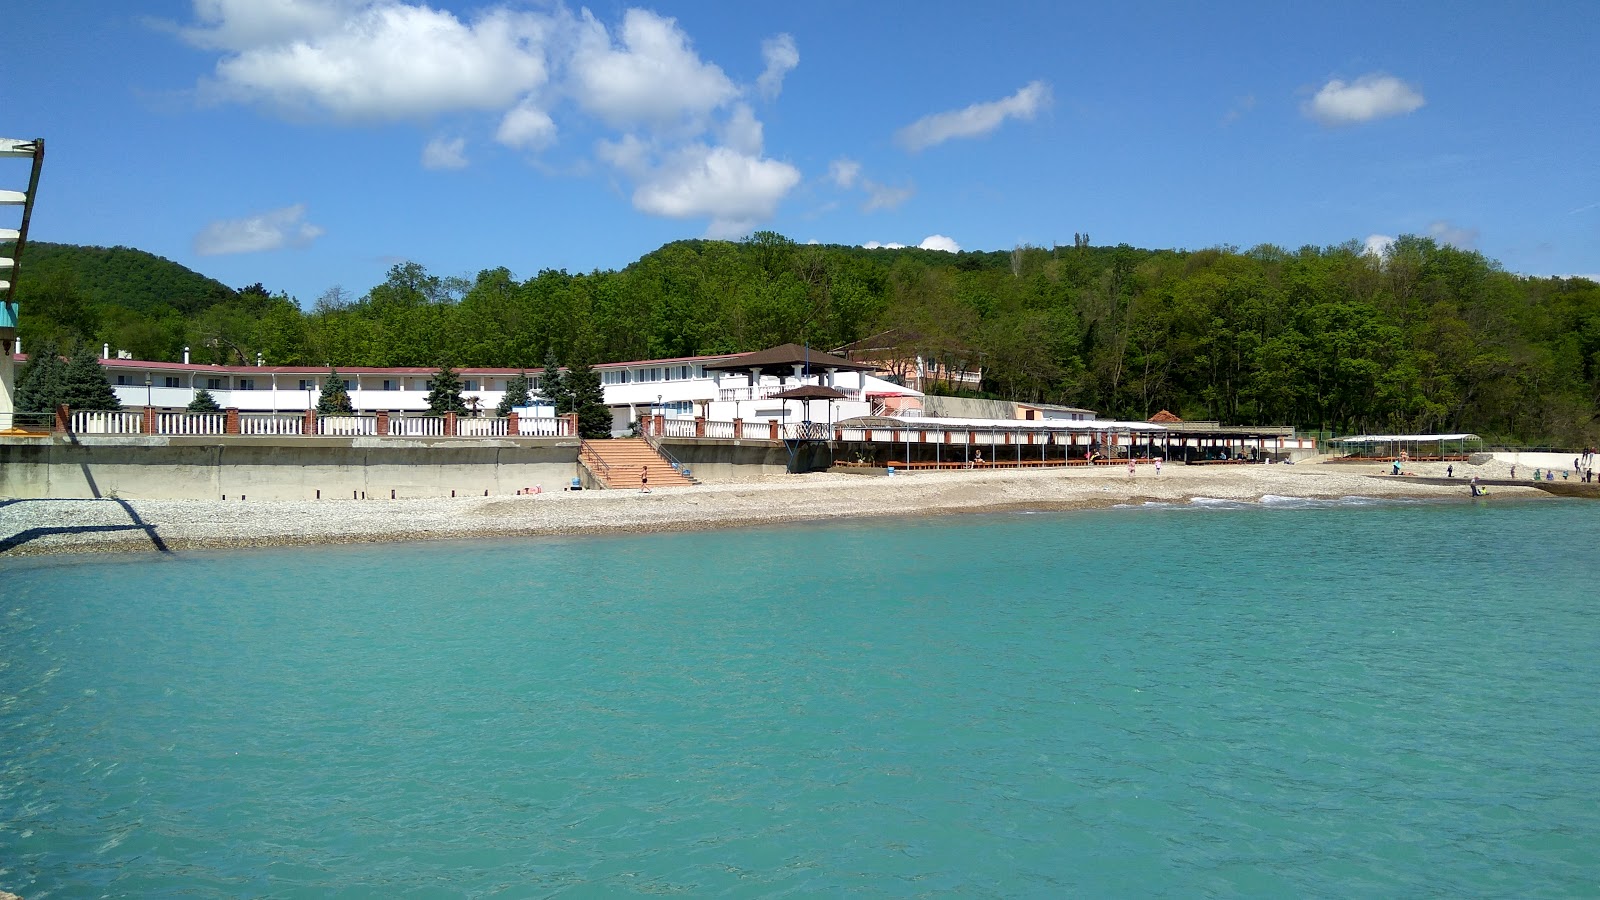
(1513, 470)
(1130, 467)
(1450, 472)
(1158, 465)
(644, 480)
(977, 459)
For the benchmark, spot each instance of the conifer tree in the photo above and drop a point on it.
(203, 402)
(84, 384)
(553, 385)
(445, 397)
(516, 395)
(588, 400)
(335, 400)
(39, 384)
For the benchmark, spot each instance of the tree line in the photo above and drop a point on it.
(1426, 337)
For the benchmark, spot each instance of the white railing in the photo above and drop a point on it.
(416, 426)
(542, 427)
(191, 423)
(491, 427)
(811, 431)
(762, 392)
(94, 421)
(271, 423)
(678, 428)
(723, 430)
(347, 426)
(758, 431)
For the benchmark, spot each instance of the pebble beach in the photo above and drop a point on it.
(74, 526)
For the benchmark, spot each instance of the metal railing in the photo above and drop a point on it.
(593, 461)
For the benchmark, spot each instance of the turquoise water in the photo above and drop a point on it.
(1352, 700)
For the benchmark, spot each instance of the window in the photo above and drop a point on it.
(213, 384)
(247, 384)
(469, 385)
(614, 376)
(307, 384)
(171, 381)
(349, 384)
(123, 379)
(388, 385)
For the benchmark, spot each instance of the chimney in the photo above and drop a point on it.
(186, 356)
(260, 360)
(105, 351)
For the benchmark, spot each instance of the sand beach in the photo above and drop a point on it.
(57, 526)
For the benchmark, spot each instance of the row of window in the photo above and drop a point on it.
(652, 374)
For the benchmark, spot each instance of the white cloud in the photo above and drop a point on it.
(272, 230)
(1460, 238)
(874, 245)
(736, 190)
(882, 196)
(392, 61)
(242, 24)
(742, 131)
(1373, 96)
(526, 127)
(844, 172)
(652, 79)
(974, 121)
(781, 56)
(1377, 245)
(445, 153)
(940, 242)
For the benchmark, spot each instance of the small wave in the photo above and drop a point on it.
(1278, 501)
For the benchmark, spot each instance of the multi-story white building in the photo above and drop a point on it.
(674, 388)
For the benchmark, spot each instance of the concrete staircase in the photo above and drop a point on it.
(616, 463)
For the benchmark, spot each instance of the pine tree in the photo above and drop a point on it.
(516, 395)
(588, 400)
(203, 402)
(84, 384)
(335, 400)
(39, 384)
(553, 385)
(445, 397)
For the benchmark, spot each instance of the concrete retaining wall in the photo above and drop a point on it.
(174, 468)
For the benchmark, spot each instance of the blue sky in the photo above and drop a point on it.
(308, 144)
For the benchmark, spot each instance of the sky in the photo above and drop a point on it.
(313, 144)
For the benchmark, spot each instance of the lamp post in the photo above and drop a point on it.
(147, 403)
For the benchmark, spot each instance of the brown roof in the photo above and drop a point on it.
(811, 392)
(781, 360)
(1164, 418)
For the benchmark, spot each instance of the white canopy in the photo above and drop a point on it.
(1404, 438)
(1026, 424)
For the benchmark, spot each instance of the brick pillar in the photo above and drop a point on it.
(513, 425)
(450, 424)
(572, 424)
(660, 425)
(383, 422)
(772, 430)
(699, 426)
(232, 426)
(738, 428)
(309, 426)
(149, 426)
(838, 432)
(63, 417)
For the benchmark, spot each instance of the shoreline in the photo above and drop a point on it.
(43, 527)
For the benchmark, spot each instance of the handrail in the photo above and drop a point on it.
(656, 445)
(584, 447)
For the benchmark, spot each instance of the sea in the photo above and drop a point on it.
(1286, 698)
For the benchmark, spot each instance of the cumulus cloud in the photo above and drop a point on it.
(1377, 244)
(974, 121)
(445, 153)
(940, 242)
(1460, 238)
(526, 127)
(649, 78)
(242, 24)
(736, 190)
(781, 56)
(874, 245)
(845, 173)
(386, 61)
(1374, 96)
(272, 230)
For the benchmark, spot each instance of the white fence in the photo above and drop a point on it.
(543, 427)
(416, 426)
(191, 423)
(347, 426)
(90, 421)
(481, 428)
(271, 423)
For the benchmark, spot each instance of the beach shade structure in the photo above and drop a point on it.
(789, 359)
(810, 392)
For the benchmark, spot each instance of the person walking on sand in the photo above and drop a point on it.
(1130, 467)
(1450, 471)
(1158, 465)
(644, 480)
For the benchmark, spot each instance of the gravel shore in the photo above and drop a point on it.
(57, 526)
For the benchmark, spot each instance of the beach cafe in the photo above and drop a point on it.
(1408, 447)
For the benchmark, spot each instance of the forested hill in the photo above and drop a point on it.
(118, 277)
(1424, 338)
